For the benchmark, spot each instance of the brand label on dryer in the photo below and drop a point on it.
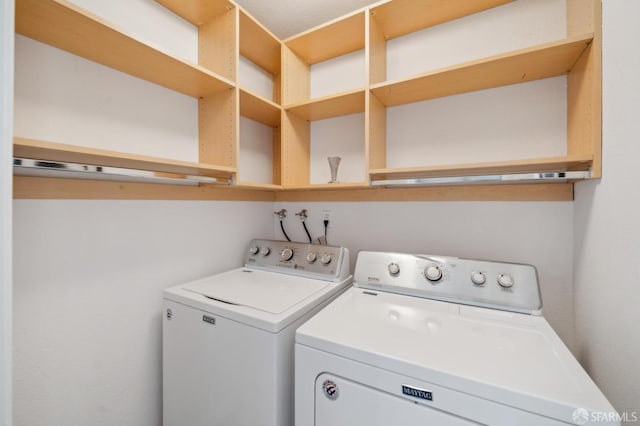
(417, 393)
(210, 320)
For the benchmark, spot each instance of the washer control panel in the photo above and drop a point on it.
(499, 285)
(315, 261)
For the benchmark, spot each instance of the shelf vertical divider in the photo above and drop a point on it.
(584, 85)
(375, 111)
(219, 113)
(278, 97)
(277, 131)
(277, 153)
(296, 78)
(376, 136)
(295, 149)
(376, 50)
(218, 44)
(218, 128)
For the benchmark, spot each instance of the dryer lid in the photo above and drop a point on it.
(265, 291)
(514, 359)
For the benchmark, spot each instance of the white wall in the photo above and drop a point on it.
(537, 233)
(89, 277)
(6, 148)
(607, 230)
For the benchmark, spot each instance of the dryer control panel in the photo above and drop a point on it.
(499, 285)
(328, 263)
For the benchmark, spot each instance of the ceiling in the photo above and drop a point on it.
(285, 18)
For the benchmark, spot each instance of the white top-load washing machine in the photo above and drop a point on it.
(227, 339)
(432, 340)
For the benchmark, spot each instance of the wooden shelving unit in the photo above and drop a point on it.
(534, 63)
(351, 102)
(226, 32)
(576, 56)
(50, 151)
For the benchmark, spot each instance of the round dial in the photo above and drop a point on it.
(505, 280)
(265, 251)
(312, 257)
(433, 273)
(394, 268)
(254, 250)
(287, 254)
(478, 278)
(326, 259)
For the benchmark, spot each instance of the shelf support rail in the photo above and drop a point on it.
(540, 177)
(59, 169)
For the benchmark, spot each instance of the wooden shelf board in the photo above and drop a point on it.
(516, 192)
(68, 27)
(259, 186)
(399, 17)
(50, 151)
(326, 186)
(259, 109)
(335, 38)
(543, 61)
(197, 12)
(346, 103)
(258, 44)
(29, 187)
(568, 163)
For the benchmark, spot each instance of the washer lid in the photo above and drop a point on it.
(265, 291)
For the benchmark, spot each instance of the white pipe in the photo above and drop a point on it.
(6, 198)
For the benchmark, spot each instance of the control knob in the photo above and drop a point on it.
(253, 250)
(312, 257)
(326, 259)
(287, 254)
(265, 251)
(394, 268)
(433, 273)
(505, 280)
(478, 278)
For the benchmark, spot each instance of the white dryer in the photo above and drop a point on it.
(422, 340)
(227, 339)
